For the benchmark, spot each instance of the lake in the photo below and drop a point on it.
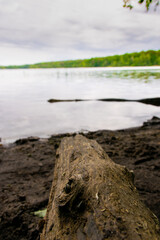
(24, 110)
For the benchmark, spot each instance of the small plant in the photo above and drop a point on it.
(40, 213)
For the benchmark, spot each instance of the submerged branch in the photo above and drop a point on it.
(150, 101)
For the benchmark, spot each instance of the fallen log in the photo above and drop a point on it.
(92, 198)
(150, 101)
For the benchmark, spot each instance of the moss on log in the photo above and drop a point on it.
(92, 198)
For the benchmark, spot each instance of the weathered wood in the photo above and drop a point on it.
(94, 198)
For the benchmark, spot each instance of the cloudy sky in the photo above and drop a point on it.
(48, 30)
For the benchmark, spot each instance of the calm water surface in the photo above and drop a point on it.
(24, 110)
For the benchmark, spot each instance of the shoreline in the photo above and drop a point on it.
(27, 165)
(154, 67)
(9, 141)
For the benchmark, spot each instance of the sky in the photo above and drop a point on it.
(33, 31)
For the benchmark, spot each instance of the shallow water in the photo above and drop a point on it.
(24, 110)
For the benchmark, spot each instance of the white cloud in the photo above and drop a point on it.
(46, 30)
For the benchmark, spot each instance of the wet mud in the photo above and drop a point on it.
(26, 173)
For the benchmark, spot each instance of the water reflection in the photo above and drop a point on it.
(70, 117)
(25, 111)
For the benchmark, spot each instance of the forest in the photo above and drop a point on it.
(143, 58)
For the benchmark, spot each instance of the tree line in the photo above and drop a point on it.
(148, 58)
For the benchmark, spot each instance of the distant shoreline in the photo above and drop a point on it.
(143, 58)
(107, 68)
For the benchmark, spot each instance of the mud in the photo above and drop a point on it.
(26, 172)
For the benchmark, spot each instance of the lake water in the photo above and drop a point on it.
(24, 110)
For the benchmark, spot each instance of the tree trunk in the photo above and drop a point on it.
(92, 198)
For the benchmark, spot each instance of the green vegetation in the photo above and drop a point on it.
(40, 213)
(148, 58)
(127, 3)
(134, 74)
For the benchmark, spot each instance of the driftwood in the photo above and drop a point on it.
(151, 101)
(94, 198)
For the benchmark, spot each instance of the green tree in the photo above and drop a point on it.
(127, 3)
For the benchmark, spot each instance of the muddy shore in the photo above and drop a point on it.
(26, 172)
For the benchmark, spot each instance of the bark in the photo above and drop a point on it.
(92, 198)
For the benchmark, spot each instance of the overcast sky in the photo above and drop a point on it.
(49, 30)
